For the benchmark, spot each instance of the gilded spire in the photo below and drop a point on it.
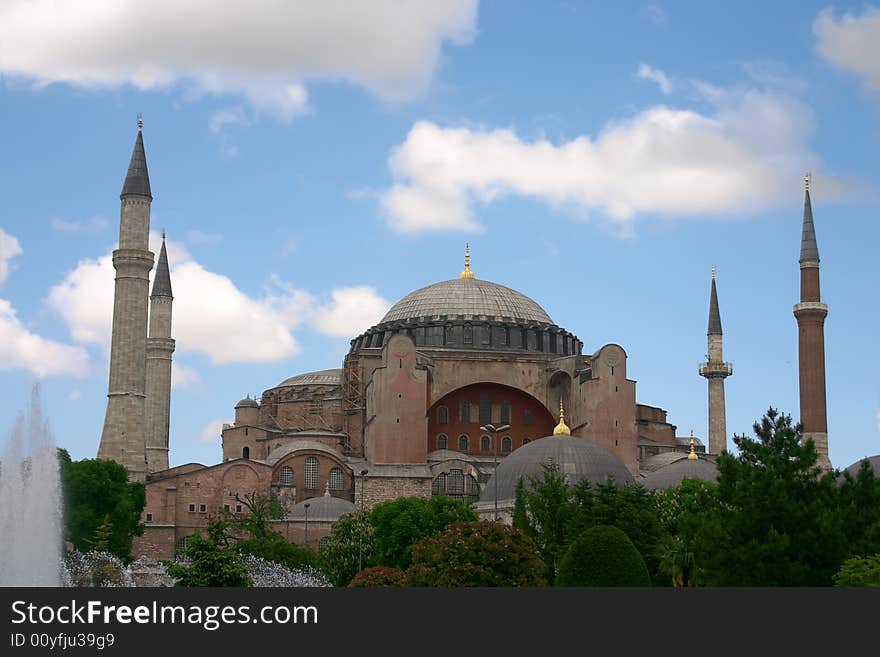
(693, 455)
(467, 273)
(561, 428)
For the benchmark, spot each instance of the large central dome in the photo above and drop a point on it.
(467, 298)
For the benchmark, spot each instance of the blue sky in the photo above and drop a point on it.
(314, 162)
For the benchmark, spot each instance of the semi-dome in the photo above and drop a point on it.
(671, 476)
(324, 508)
(577, 458)
(467, 298)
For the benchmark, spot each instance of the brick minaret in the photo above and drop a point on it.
(810, 314)
(124, 436)
(160, 346)
(716, 370)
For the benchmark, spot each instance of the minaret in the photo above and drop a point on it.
(810, 314)
(716, 370)
(160, 346)
(124, 436)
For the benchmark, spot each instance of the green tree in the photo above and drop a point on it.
(100, 504)
(347, 550)
(379, 576)
(859, 571)
(778, 522)
(261, 510)
(211, 561)
(859, 510)
(603, 556)
(544, 511)
(477, 553)
(399, 524)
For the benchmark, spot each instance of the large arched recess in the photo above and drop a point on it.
(528, 418)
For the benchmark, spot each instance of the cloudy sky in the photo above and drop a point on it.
(312, 162)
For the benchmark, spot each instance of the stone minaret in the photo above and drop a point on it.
(124, 436)
(716, 370)
(810, 314)
(160, 346)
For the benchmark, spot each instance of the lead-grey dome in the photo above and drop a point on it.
(247, 402)
(466, 298)
(324, 508)
(873, 462)
(577, 458)
(319, 378)
(671, 476)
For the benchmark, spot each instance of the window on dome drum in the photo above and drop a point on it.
(506, 338)
(311, 473)
(442, 415)
(442, 441)
(527, 417)
(464, 411)
(336, 479)
(485, 408)
(505, 412)
(245, 452)
(468, 334)
(484, 444)
(505, 444)
(285, 477)
(463, 443)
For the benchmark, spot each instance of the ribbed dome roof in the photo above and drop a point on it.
(671, 476)
(467, 297)
(577, 458)
(319, 378)
(247, 402)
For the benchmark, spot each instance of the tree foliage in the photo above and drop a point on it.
(347, 550)
(603, 556)
(476, 553)
(399, 524)
(859, 571)
(102, 509)
(211, 561)
(379, 576)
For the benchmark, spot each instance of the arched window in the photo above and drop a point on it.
(463, 443)
(245, 452)
(455, 482)
(464, 411)
(442, 415)
(505, 412)
(467, 334)
(311, 473)
(285, 477)
(485, 444)
(442, 441)
(438, 486)
(335, 479)
(505, 444)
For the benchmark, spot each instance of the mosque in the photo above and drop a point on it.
(462, 388)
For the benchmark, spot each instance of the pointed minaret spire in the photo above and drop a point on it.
(162, 280)
(715, 370)
(137, 180)
(467, 273)
(809, 249)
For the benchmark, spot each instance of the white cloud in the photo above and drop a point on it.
(229, 116)
(93, 224)
(852, 42)
(749, 153)
(84, 299)
(351, 311)
(264, 49)
(9, 248)
(185, 377)
(22, 350)
(74, 395)
(211, 432)
(657, 76)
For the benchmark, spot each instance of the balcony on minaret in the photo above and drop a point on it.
(715, 369)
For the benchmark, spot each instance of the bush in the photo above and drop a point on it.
(478, 553)
(602, 556)
(379, 576)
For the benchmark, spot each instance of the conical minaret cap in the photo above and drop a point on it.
(162, 280)
(714, 313)
(137, 180)
(809, 249)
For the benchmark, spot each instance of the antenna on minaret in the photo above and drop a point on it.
(140, 122)
(807, 177)
(713, 272)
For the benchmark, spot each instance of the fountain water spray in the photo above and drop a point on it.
(31, 506)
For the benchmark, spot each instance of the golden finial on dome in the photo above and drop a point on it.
(467, 273)
(693, 455)
(561, 428)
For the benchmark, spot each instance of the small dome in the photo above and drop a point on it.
(325, 508)
(247, 402)
(577, 458)
(466, 298)
(671, 476)
(319, 378)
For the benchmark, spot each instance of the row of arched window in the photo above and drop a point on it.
(310, 476)
(464, 443)
(485, 414)
(456, 484)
